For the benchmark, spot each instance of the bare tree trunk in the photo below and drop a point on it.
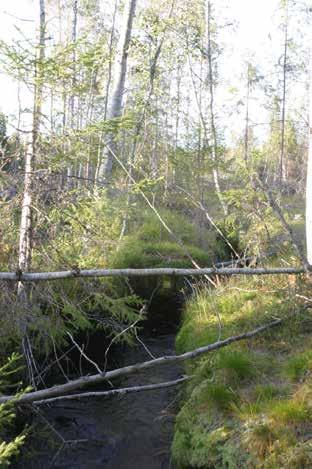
(109, 77)
(63, 181)
(246, 140)
(212, 112)
(107, 90)
(309, 170)
(283, 162)
(139, 125)
(154, 153)
(25, 239)
(32, 154)
(114, 109)
(26, 226)
(72, 101)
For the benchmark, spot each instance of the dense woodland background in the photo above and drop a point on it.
(152, 141)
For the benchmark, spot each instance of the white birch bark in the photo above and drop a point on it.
(163, 271)
(25, 242)
(246, 140)
(309, 171)
(26, 225)
(25, 239)
(118, 87)
(107, 90)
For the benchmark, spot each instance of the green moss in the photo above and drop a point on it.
(135, 253)
(152, 229)
(207, 448)
(149, 244)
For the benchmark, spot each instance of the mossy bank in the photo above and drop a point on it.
(250, 404)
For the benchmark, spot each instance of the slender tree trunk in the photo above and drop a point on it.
(110, 63)
(154, 152)
(32, 154)
(246, 140)
(154, 157)
(283, 162)
(25, 239)
(177, 120)
(63, 181)
(72, 100)
(107, 91)
(309, 170)
(214, 142)
(26, 226)
(115, 107)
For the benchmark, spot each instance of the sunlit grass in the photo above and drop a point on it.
(259, 390)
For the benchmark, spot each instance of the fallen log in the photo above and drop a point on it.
(66, 388)
(77, 273)
(114, 392)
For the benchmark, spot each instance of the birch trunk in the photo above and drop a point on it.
(309, 171)
(246, 142)
(26, 226)
(111, 43)
(120, 71)
(107, 91)
(214, 142)
(32, 152)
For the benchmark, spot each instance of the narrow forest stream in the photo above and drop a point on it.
(129, 432)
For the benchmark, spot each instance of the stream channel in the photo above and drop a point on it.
(134, 431)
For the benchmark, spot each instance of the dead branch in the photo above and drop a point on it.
(60, 390)
(83, 354)
(114, 392)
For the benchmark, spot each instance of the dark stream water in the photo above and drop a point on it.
(130, 432)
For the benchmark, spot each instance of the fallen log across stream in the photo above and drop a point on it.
(42, 395)
(77, 273)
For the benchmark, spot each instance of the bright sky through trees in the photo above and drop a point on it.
(251, 34)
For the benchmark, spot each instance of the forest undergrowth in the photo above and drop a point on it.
(88, 233)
